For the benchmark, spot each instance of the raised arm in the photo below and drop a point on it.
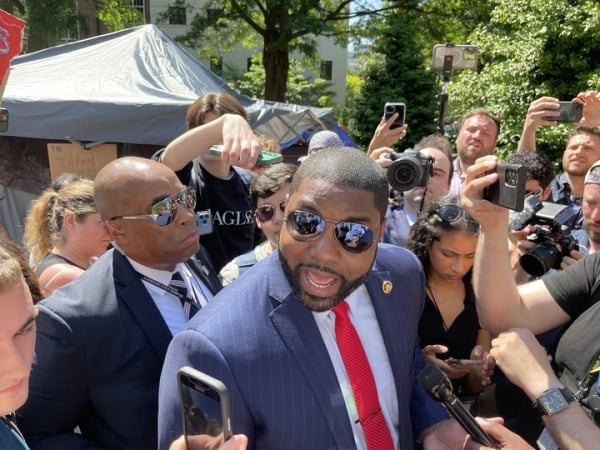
(384, 136)
(542, 107)
(240, 145)
(500, 303)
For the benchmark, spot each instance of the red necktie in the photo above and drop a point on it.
(377, 433)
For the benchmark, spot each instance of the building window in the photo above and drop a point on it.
(139, 6)
(326, 70)
(248, 64)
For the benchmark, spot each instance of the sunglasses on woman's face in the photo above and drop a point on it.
(266, 212)
(164, 211)
(305, 226)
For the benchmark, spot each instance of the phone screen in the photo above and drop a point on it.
(390, 109)
(205, 407)
(568, 112)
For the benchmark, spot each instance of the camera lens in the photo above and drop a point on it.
(405, 173)
(541, 259)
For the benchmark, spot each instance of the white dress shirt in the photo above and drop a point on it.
(364, 320)
(169, 305)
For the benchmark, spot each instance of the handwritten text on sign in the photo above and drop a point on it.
(71, 158)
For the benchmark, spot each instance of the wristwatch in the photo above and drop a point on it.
(553, 400)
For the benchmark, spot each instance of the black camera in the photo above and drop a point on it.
(409, 169)
(552, 236)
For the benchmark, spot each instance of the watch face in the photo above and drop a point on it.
(553, 401)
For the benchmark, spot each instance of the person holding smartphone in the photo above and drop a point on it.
(569, 297)
(444, 238)
(221, 182)
(581, 151)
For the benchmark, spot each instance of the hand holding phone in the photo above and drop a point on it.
(509, 190)
(464, 363)
(390, 109)
(569, 112)
(265, 158)
(205, 409)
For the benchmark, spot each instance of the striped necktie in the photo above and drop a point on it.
(189, 307)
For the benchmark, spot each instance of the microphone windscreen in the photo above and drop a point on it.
(430, 378)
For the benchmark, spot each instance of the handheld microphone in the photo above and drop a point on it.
(436, 383)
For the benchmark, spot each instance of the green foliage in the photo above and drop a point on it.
(394, 72)
(531, 48)
(50, 21)
(302, 88)
(118, 14)
(279, 26)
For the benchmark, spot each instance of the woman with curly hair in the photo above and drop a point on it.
(64, 233)
(444, 238)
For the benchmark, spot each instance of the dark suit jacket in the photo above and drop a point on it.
(101, 342)
(265, 346)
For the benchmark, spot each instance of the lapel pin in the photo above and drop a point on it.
(387, 286)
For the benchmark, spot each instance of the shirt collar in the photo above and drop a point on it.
(359, 295)
(162, 276)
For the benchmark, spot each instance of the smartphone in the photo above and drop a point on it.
(450, 56)
(264, 159)
(390, 108)
(204, 222)
(205, 408)
(569, 112)
(3, 120)
(509, 190)
(464, 363)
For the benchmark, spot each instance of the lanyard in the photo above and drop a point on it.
(9, 420)
(171, 290)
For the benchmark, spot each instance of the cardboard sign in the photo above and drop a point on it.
(71, 158)
(11, 35)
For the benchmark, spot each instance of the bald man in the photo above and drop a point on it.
(102, 339)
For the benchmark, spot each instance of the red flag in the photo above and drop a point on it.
(11, 35)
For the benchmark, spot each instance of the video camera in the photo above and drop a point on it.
(409, 169)
(552, 236)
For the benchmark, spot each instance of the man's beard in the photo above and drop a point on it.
(311, 302)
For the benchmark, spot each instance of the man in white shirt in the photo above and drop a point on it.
(101, 339)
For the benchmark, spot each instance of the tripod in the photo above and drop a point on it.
(446, 72)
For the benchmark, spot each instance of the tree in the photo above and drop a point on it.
(49, 22)
(281, 26)
(395, 71)
(15, 7)
(118, 14)
(299, 89)
(531, 48)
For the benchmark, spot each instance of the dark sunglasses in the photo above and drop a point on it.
(305, 226)
(449, 213)
(164, 211)
(266, 212)
(536, 192)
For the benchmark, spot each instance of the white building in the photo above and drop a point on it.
(333, 63)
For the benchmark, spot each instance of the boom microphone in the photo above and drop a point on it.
(436, 383)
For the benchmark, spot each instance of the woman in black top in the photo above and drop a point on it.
(444, 238)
